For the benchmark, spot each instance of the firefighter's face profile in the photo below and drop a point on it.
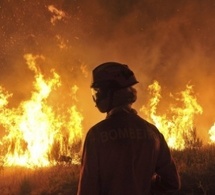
(98, 94)
(101, 98)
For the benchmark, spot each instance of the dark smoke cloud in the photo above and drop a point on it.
(170, 41)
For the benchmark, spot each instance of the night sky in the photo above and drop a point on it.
(169, 41)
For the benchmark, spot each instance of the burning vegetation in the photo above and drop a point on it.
(36, 135)
(39, 135)
(177, 124)
(45, 63)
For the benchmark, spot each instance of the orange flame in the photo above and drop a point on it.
(178, 125)
(212, 134)
(37, 136)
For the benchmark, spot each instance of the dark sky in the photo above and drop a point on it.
(169, 41)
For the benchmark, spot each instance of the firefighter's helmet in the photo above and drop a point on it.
(111, 86)
(112, 75)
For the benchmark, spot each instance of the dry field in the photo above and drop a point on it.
(197, 170)
(57, 180)
(196, 167)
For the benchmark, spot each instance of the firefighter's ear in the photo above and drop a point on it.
(124, 96)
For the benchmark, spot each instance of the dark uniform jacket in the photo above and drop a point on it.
(126, 155)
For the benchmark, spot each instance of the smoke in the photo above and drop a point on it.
(170, 41)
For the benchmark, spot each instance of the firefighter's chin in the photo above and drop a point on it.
(103, 105)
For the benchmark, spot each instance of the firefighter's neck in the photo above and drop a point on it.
(125, 108)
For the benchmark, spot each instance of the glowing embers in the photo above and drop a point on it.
(36, 134)
(57, 14)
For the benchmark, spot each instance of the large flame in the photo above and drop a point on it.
(178, 125)
(37, 135)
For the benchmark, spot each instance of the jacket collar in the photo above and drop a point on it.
(124, 108)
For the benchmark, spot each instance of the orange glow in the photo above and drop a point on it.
(212, 134)
(178, 124)
(37, 135)
(57, 14)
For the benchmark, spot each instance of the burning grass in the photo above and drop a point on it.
(196, 167)
(40, 134)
